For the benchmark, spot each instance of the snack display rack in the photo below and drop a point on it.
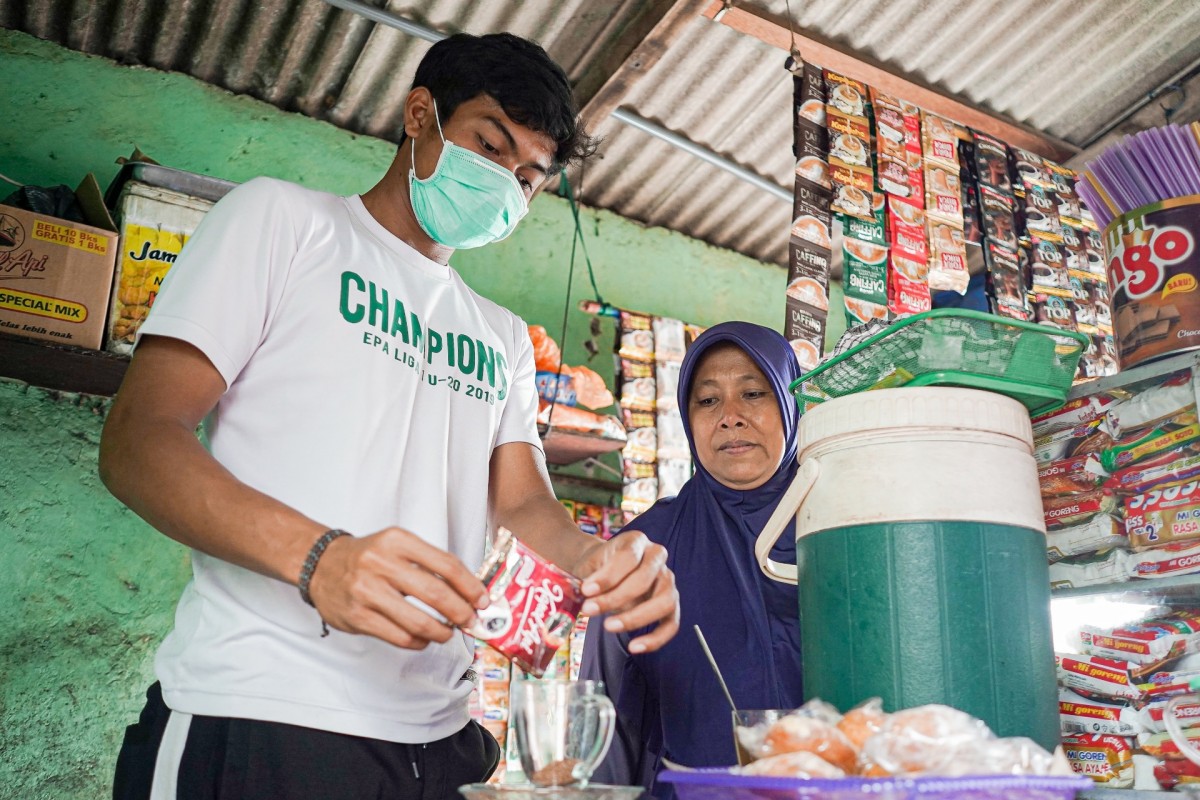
(1176, 591)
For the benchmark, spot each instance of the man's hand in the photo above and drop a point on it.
(627, 578)
(359, 586)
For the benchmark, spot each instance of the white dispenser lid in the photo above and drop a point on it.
(928, 407)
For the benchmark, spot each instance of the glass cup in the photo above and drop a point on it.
(749, 728)
(563, 729)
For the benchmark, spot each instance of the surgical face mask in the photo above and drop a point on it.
(468, 201)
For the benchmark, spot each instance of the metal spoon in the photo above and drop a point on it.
(713, 662)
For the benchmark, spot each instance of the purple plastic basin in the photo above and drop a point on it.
(725, 785)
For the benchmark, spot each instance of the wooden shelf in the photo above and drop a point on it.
(61, 367)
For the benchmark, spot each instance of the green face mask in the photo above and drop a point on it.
(468, 201)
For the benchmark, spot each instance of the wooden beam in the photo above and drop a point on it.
(672, 22)
(874, 73)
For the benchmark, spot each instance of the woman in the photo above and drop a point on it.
(741, 425)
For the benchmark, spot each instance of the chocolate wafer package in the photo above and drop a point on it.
(891, 154)
(991, 163)
(533, 608)
(1153, 265)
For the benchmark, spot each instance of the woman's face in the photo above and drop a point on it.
(734, 418)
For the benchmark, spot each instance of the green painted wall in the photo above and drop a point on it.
(87, 588)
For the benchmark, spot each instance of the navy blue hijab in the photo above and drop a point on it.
(669, 704)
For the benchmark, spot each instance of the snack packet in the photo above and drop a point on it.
(533, 604)
(1163, 516)
(1086, 439)
(1179, 558)
(1071, 476)
(1076, 412)
(1079, 714)
(1174, 395)
(1109, 678)
(1100, 532)
(1164, 637)
(1106, 759)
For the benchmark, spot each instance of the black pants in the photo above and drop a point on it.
(238, 759)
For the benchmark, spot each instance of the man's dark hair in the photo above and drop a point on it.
(519, 75)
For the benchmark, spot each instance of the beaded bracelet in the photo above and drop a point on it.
(310, 562)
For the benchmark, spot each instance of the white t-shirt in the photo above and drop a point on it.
(367, 387)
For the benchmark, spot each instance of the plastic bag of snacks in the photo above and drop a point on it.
(816, 742)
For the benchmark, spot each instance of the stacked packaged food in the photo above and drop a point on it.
(1118, 475)
(1113, 697)
(489, 701)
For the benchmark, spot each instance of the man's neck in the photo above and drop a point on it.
(388, 202)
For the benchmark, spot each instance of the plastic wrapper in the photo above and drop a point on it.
(1154, 640)
(1161, 745)
(1100, 532)
(1078, 714)
(991, 163)
(1106, 759)
(862, 722)
(590, 389)
(546, 355)
(1180, 558)
(1107, 678)
(1170, 398)
(963, 752)
(533, 605)
(580, 420)
(799, 733)
(1163, 516)
(668, 339)
(1096, 569)
(1176, 774)
(637, 337)
(800, 764)
(673, 473)
(1163, 685)
(638, 495)
(1076, 412)
(1142, 477)
(1151, 716)
(666, 374)
(1085, 439)
(1071, 476)
(1156, 443)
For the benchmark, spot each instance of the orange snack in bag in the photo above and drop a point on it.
(863, 722)
(546, 353)
(796, 734)
(793, 765)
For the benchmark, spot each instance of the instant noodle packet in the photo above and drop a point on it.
(1154, 640)
(1094, 675)
(1163, 516)
(1079, 714)
(1106, 759)
(1113, 566)
(1101, 532)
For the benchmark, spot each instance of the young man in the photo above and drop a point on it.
(352, 382)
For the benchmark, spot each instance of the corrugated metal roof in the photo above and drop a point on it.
(1064, 66)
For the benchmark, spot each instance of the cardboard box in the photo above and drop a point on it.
(56, 275)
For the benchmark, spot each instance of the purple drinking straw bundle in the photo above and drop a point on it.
(1145, 168)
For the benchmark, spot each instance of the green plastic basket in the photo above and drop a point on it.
(1031, 363)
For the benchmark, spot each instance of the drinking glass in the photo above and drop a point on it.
(563, 729)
